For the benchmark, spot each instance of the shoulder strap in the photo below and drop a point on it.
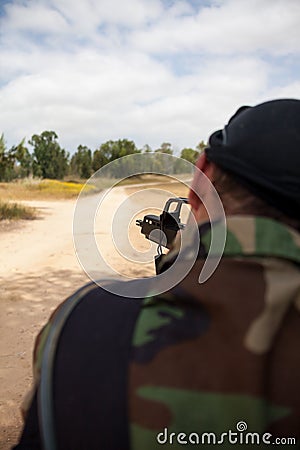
(84, 372)
(45, 391)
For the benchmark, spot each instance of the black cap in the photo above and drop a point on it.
(260, 148)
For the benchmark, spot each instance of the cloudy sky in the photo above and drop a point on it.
(149, 70)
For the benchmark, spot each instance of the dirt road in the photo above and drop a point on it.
(38, 269)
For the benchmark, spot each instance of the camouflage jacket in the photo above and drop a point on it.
(216, 363)
(224, 354)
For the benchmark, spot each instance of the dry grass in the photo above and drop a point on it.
(143, 178)
(29, 189)
(13, 211)
(176, 188)
(104, 183)
(41, 190)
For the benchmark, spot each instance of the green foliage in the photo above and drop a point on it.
(23, 160)
(81, 162)
(7, 161)
(189, 155)
(146, 149)
(15, 162)
(112, 150)
(99, 159)
(201, 146)
(49, 159)
(165, 147)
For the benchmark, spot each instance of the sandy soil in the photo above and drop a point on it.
(38, 269)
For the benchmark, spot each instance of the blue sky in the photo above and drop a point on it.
(149, 70)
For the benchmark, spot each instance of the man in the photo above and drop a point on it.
(202, 364)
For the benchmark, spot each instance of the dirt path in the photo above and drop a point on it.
(38, 269)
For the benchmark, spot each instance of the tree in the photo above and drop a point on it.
(112, 150)
(189, 155)
(7, 160)
(23, 160)
(146, 149)
(201, 146)
(81, 162)
(165, 147)
(99, 159)
(49, 159)
(122, 147)
(3, 158)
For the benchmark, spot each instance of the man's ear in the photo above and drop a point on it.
(205, 166)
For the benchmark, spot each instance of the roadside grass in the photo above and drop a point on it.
(143, 178)
(34, 189)
(165, 184)
(60, 189)
(42, 190)
(140, 180)
(13, 211)
(104, 183)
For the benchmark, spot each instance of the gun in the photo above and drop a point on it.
(162, 229)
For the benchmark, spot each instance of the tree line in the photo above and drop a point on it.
(48, 160)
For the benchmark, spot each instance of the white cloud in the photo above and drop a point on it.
(37, 18)
(95, 70)
(231, 26)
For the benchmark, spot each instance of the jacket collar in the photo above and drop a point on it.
(257, 236)
(246, 236)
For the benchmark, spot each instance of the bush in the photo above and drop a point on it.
(14, 211)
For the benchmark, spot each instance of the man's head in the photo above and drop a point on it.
(254, 162)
